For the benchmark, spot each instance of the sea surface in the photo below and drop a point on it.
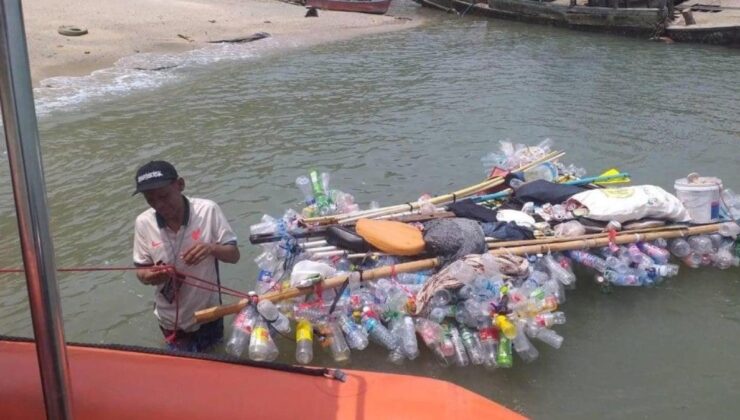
(392, 116)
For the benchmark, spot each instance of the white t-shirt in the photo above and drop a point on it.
(154, 241)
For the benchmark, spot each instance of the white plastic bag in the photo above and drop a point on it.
(305, 273)
(631, 203)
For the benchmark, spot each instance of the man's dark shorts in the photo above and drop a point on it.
(202, 340)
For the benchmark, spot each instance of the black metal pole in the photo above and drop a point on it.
(26, 172)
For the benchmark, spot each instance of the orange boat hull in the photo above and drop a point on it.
(115, 384)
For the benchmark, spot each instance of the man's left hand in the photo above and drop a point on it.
(197, 253)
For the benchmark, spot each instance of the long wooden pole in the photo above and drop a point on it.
(216, 312)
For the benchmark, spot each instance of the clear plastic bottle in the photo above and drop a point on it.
(407, 334)
(356, 335)
(557, 271)
(304, 184)
(472, 345)
(241, 331)
(272, 315)
(439, 313)
(658, 255)
(461, 356)
(524, 348)
(549, 337)
(637, 257)
(489, 342)
(693, 260)
(304, 342)
(589, 260)
(701, 244)
(680, 247)
(549, 319)
(412, 278)
(261, 346)
(432, 335)
(334, 339)
(622, 279)
(379, 333)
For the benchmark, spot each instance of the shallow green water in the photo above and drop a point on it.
(391, 117)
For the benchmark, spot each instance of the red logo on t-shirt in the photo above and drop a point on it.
(156, 244)
(196, 234)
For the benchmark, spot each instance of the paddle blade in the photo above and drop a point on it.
(612, 176)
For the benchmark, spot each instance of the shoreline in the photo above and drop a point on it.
(122, 29)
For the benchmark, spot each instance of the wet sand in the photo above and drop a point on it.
(119, 28)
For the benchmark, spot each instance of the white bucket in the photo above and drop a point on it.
(700, 196)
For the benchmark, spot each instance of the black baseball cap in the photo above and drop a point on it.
(153, 175)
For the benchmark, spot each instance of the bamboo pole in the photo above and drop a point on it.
(554, 239)
(604, 241)
(216, 312)
(488, 183)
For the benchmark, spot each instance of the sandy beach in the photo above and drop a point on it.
(118, 28)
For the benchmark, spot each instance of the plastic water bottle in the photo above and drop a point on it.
(680, 248)
(356, 335)
(412, 278)
(304, 342)
(432, 334)
(524, 347)
(439, 313)
(589, 260)
(489, 343)
(408, 338)
(659, 255)
(622, 279)
(323, 205)
(558, 272)
(378, 332)
(665, 270)
(472, 345)
(261, 346)
(701, 244)
(729, 229)
(549, 319)
(304, 184)
(334, 339)
(241, 331)
(547, 336)
(724, 259)
(461, 357)
(638, 258)
(272, 315)
(504, 355)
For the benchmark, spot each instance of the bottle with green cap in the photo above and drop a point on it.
(323, 203)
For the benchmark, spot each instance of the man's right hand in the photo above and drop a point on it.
(154, 275)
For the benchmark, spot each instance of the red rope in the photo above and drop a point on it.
(183, 276)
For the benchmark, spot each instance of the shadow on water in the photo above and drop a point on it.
(391, 117)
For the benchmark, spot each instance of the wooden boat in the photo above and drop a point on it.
(644, 21)
(378, 7)
(135, 383)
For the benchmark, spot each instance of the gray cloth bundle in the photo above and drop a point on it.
(454, 238)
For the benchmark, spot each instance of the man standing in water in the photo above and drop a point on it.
(186, 237)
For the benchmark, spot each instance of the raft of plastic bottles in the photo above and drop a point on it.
(484, 322)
